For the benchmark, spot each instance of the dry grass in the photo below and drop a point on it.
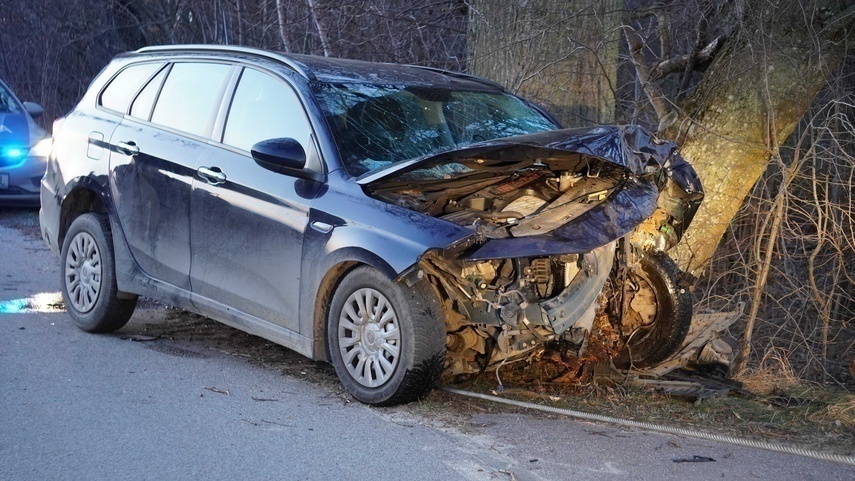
(841, 412)
(774, 374)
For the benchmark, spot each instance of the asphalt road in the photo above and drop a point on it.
(77, 406)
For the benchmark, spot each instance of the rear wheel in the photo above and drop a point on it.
(657, 316)
(89, 276)
(387, 343)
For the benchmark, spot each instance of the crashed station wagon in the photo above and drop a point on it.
(399, 221)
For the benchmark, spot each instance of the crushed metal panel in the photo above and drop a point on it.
(702, 331)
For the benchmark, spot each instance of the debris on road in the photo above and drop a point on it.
(695, 459)
(139, 338)
(218, 391)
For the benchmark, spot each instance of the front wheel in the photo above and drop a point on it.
(89, 276)
(657, 316)
(387, 343)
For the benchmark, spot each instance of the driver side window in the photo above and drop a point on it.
(265, 107)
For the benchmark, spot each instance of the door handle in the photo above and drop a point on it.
(212, 175)
(128, 148)
(321, 227)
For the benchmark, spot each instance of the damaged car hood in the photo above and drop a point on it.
(617, 174)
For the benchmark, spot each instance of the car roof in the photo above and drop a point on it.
(339, 70)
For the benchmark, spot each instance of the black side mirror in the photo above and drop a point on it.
(283, 156)
(35, 110)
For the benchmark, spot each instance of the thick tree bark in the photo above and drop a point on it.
(748, 103)
(561, 55)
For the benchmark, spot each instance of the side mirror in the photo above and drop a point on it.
(35, 110)
(284, 156)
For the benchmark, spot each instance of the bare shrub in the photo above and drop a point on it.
(808, 304)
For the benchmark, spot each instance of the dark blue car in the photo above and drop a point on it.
(398, 221)
(24, 149)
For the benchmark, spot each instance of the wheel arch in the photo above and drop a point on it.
(82, 198)
(341, 263)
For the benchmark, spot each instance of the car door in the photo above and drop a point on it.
(247, 223)
(153, 154)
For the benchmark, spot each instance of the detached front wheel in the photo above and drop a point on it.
(387, 343)
(657, 315)
(89, 276)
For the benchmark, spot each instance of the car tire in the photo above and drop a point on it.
(391, 351)
(88, 276)
(652, 344)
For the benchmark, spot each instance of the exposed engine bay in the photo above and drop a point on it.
(548, 226)
(528, 202)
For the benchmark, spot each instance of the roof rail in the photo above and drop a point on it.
(298, 67)
(461, 75)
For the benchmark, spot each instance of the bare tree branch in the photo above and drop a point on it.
(654, 94)
(679, 63)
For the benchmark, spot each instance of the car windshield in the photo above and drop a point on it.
(8, 104)
(378, 125)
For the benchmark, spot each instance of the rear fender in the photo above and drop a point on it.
(84, 194)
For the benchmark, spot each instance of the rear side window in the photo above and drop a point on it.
(141, 108)
(265, 108)
(124, 86)
(191, 97)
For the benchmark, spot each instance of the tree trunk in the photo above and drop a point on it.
(562, 55)
(283, 26)
(747, 104)
(322, 33)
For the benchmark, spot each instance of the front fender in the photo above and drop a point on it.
(385, 239)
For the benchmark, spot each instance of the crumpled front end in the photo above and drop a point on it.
(546, 211)
(501, 309)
